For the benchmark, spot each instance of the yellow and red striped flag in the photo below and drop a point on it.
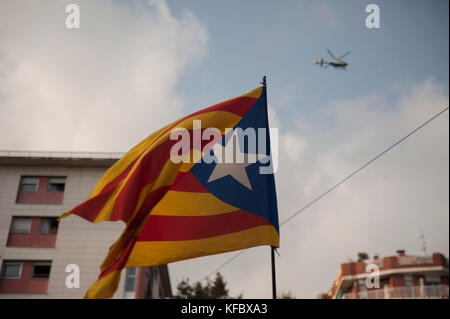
(179, 210)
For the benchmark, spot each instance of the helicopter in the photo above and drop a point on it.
(336, 62)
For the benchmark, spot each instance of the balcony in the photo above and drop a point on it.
(415, 292)
(414, 260)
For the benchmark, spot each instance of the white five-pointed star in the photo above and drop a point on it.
(236, 170)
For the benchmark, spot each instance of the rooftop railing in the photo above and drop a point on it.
(413, 292)
(415, 260)
(61, 154)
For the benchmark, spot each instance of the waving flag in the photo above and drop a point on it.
(176, 210)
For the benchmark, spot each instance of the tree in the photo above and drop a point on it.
(362, 256)
(287, 295)
(211, 290)
(323, 295)
(219, 288)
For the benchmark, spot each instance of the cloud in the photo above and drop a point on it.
(379, 210)
(109, 84)
(102, 87)
(324, 13)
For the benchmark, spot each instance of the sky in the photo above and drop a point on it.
(135, 66)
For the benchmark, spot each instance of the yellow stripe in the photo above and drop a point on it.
(218, 119)
(136, 151)
(210, 119)
(256, 93)
(165, 178)
(125, 161)
(176, 203)
(186, 167)
(106, 211)
(105, 287)
(261, 235)
(152, 253)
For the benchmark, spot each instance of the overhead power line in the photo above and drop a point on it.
(338, 184)
(362, 167)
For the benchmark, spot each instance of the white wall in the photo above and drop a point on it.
(78, 241)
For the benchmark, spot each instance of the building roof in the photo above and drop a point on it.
(51, 158)
(390, 265)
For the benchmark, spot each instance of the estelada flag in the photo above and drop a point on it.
(176, 210)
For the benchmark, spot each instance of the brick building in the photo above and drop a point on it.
(400, 276)
(36, 188)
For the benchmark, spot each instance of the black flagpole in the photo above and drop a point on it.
(274, 280)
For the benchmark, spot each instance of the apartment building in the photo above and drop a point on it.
(399, 276)
(40, 256)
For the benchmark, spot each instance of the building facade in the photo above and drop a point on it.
(399, 276)
(43, 258)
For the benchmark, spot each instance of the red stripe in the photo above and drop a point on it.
(197, 226)
(144, 174)
(148, 170)
(239, 106)
(150, 201)
(113, 184)
(121, 262)
(90, 208)
(187, 182)
(127, 240)
(173, 228)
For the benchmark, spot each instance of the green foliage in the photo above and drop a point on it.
(362, 256)
(287, 295)
(323, 295)
(211, 290)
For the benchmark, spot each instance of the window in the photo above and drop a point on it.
(130, 280)
(409, 285)
(49, 225)
(56, 184)
(41, 269)
(11, 270)
(362, 289)
(20, 225)
(153, 273)
(431, 280)
(29, 184)
(362, 285)
(41, 190)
